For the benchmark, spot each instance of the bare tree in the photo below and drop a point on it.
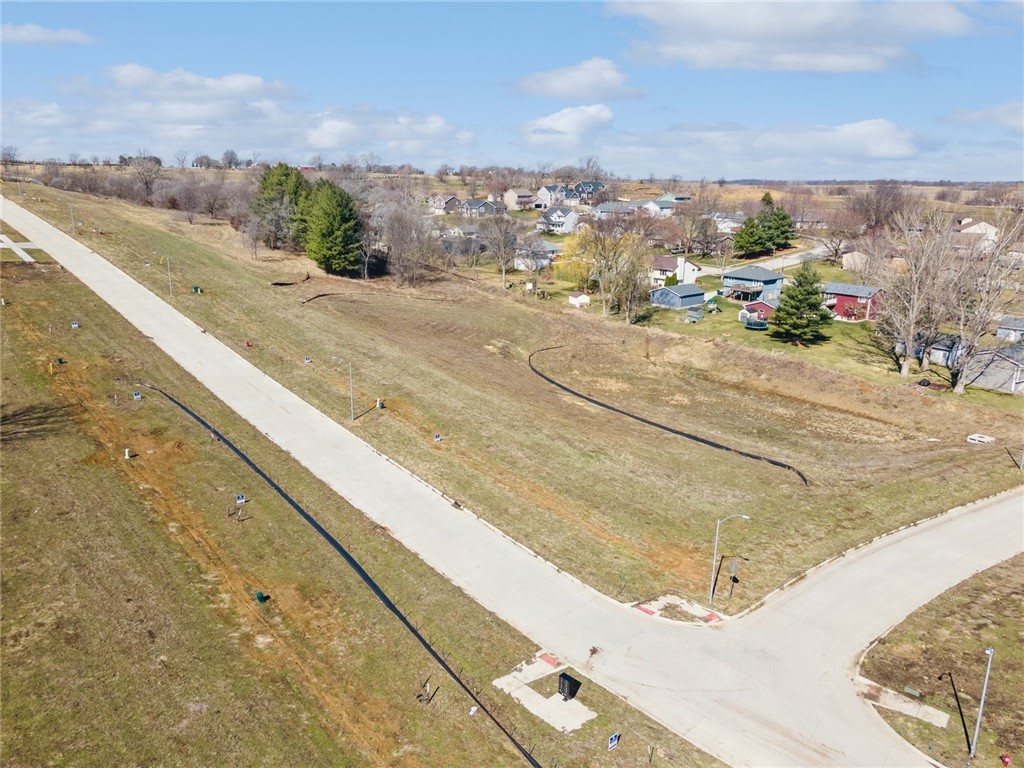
(601, 246)
(186, 196)
(317, 161)
(983, 285)
(924, 250)
(74, 158)
(212, 198)
(230, 159)
(881, 205)
(148, 169)
(407, 240)
(443, 172)
(181, 158)
(501, 235)
(8, 156)
(541, 171)
(631, 280)
(251, 232)
(843, 227)
(590, 169)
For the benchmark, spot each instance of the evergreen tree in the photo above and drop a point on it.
(801, 315)
(281, 188)
(333, 235)
(777, 225)
(751, 238)
(672, 279)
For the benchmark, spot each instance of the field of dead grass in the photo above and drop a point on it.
(950, 634)
(629, 510)
(130, 632)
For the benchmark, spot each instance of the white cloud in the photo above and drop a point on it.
(1009, 116)
(568, 126)
(590, 80)
(827, 37)
(406, 132)
(33, 34)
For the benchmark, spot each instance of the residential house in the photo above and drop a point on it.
(752, 282)
(477, 209)
(970, 233)
(662, 209)
(536, 255)
(442, 204)
(728, 223)
(663, 266)
(464, 230)
(562, 221)
(855, 261)
(588, 190)
(611, 211)
(852, 302)
(673, 197)
(550, 196)
(579, 300)
(811, 220)
(1010, 328)
(519, 199)
(1001, 369)
(682, 296)
(758, 310)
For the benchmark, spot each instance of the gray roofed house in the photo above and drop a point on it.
(850, 289)
(610, 210)
(679, 296)
(752, 282)
(1000, 369)
(1010, 328)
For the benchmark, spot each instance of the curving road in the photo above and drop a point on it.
(772, 688)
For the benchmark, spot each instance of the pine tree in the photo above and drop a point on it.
(751, 238)
(333, 228)
(801, 314)
(672, 279)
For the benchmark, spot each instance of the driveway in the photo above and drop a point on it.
(772, 688)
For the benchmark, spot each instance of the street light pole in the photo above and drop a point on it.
(170, 291)
(714, 557)
(981, 705)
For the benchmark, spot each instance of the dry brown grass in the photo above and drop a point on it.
(603, 497)
(950, 634)
(136, 640)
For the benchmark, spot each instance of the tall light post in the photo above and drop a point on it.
(981, 705)
(351, 392)
(714, 557)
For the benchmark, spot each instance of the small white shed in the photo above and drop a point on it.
(579, 299)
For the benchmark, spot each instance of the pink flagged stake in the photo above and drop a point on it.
(550, 659)
(645, 609)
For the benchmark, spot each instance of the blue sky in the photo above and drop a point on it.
(785, 90)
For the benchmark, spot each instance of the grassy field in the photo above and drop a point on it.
(950, 634)
(626, 509)
(130, 633)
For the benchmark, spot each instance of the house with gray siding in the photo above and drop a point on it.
(1010, 328)
(681, 296)
(752, 282)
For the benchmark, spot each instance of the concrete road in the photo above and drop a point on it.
(776, 264)
(773, 688)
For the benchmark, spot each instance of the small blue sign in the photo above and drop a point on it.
(308, 359)
(437, 438)
(240, 498)
(613, 741)
(74, 325)
(136, 395)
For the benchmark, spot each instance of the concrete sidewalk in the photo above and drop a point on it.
(773, 688)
